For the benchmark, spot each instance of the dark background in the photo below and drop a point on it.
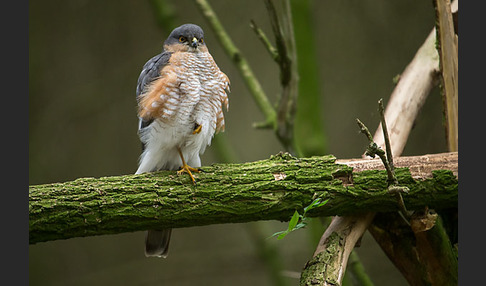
(84, 62)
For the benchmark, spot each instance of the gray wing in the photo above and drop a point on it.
(150, 72)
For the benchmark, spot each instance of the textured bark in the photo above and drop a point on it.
(332, 252)
(423, 253)
(226, 193)
(328, 265)
(447, 46)
(407, 98)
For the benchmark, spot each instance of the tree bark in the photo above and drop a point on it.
(421, 251)
(269, 189)
(334, 249)
(447, 46)
(331, 256)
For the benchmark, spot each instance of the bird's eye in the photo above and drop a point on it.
(182, 39)
(201, 40)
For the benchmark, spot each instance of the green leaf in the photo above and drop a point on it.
(311, 206)
(278, 233)
(293, 225)
(315, 204)
(282, 235)
(293, 221)
(323, 203)
(300, 225)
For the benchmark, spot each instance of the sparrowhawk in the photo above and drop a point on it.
(180, 93)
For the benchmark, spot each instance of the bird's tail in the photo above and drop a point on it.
(157, 243)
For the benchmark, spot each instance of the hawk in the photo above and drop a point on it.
(180, 94)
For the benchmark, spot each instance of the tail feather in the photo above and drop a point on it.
(157, 243)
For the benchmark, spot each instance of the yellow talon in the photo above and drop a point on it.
(197, 130)
(186, 168)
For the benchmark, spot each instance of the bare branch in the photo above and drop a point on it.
(448, 51)
(266, 42)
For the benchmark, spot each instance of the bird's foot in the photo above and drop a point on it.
(188, 169)
(197, 129)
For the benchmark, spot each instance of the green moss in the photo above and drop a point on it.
(325, 265)
(225, 193)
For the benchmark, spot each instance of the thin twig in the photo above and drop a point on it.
(372, 150)
(389, 154)
(393, 182)
(266, 42)
(293, 85)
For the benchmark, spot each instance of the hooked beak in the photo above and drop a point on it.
(194, 42)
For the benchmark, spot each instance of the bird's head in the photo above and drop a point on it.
(186, 38)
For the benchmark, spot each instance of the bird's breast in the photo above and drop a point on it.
(190, 91)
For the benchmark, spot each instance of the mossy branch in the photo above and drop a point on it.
(270, 189)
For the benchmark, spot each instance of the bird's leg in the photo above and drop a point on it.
(186, 168)
(197, 129)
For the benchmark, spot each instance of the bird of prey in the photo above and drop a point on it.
(180, 94)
